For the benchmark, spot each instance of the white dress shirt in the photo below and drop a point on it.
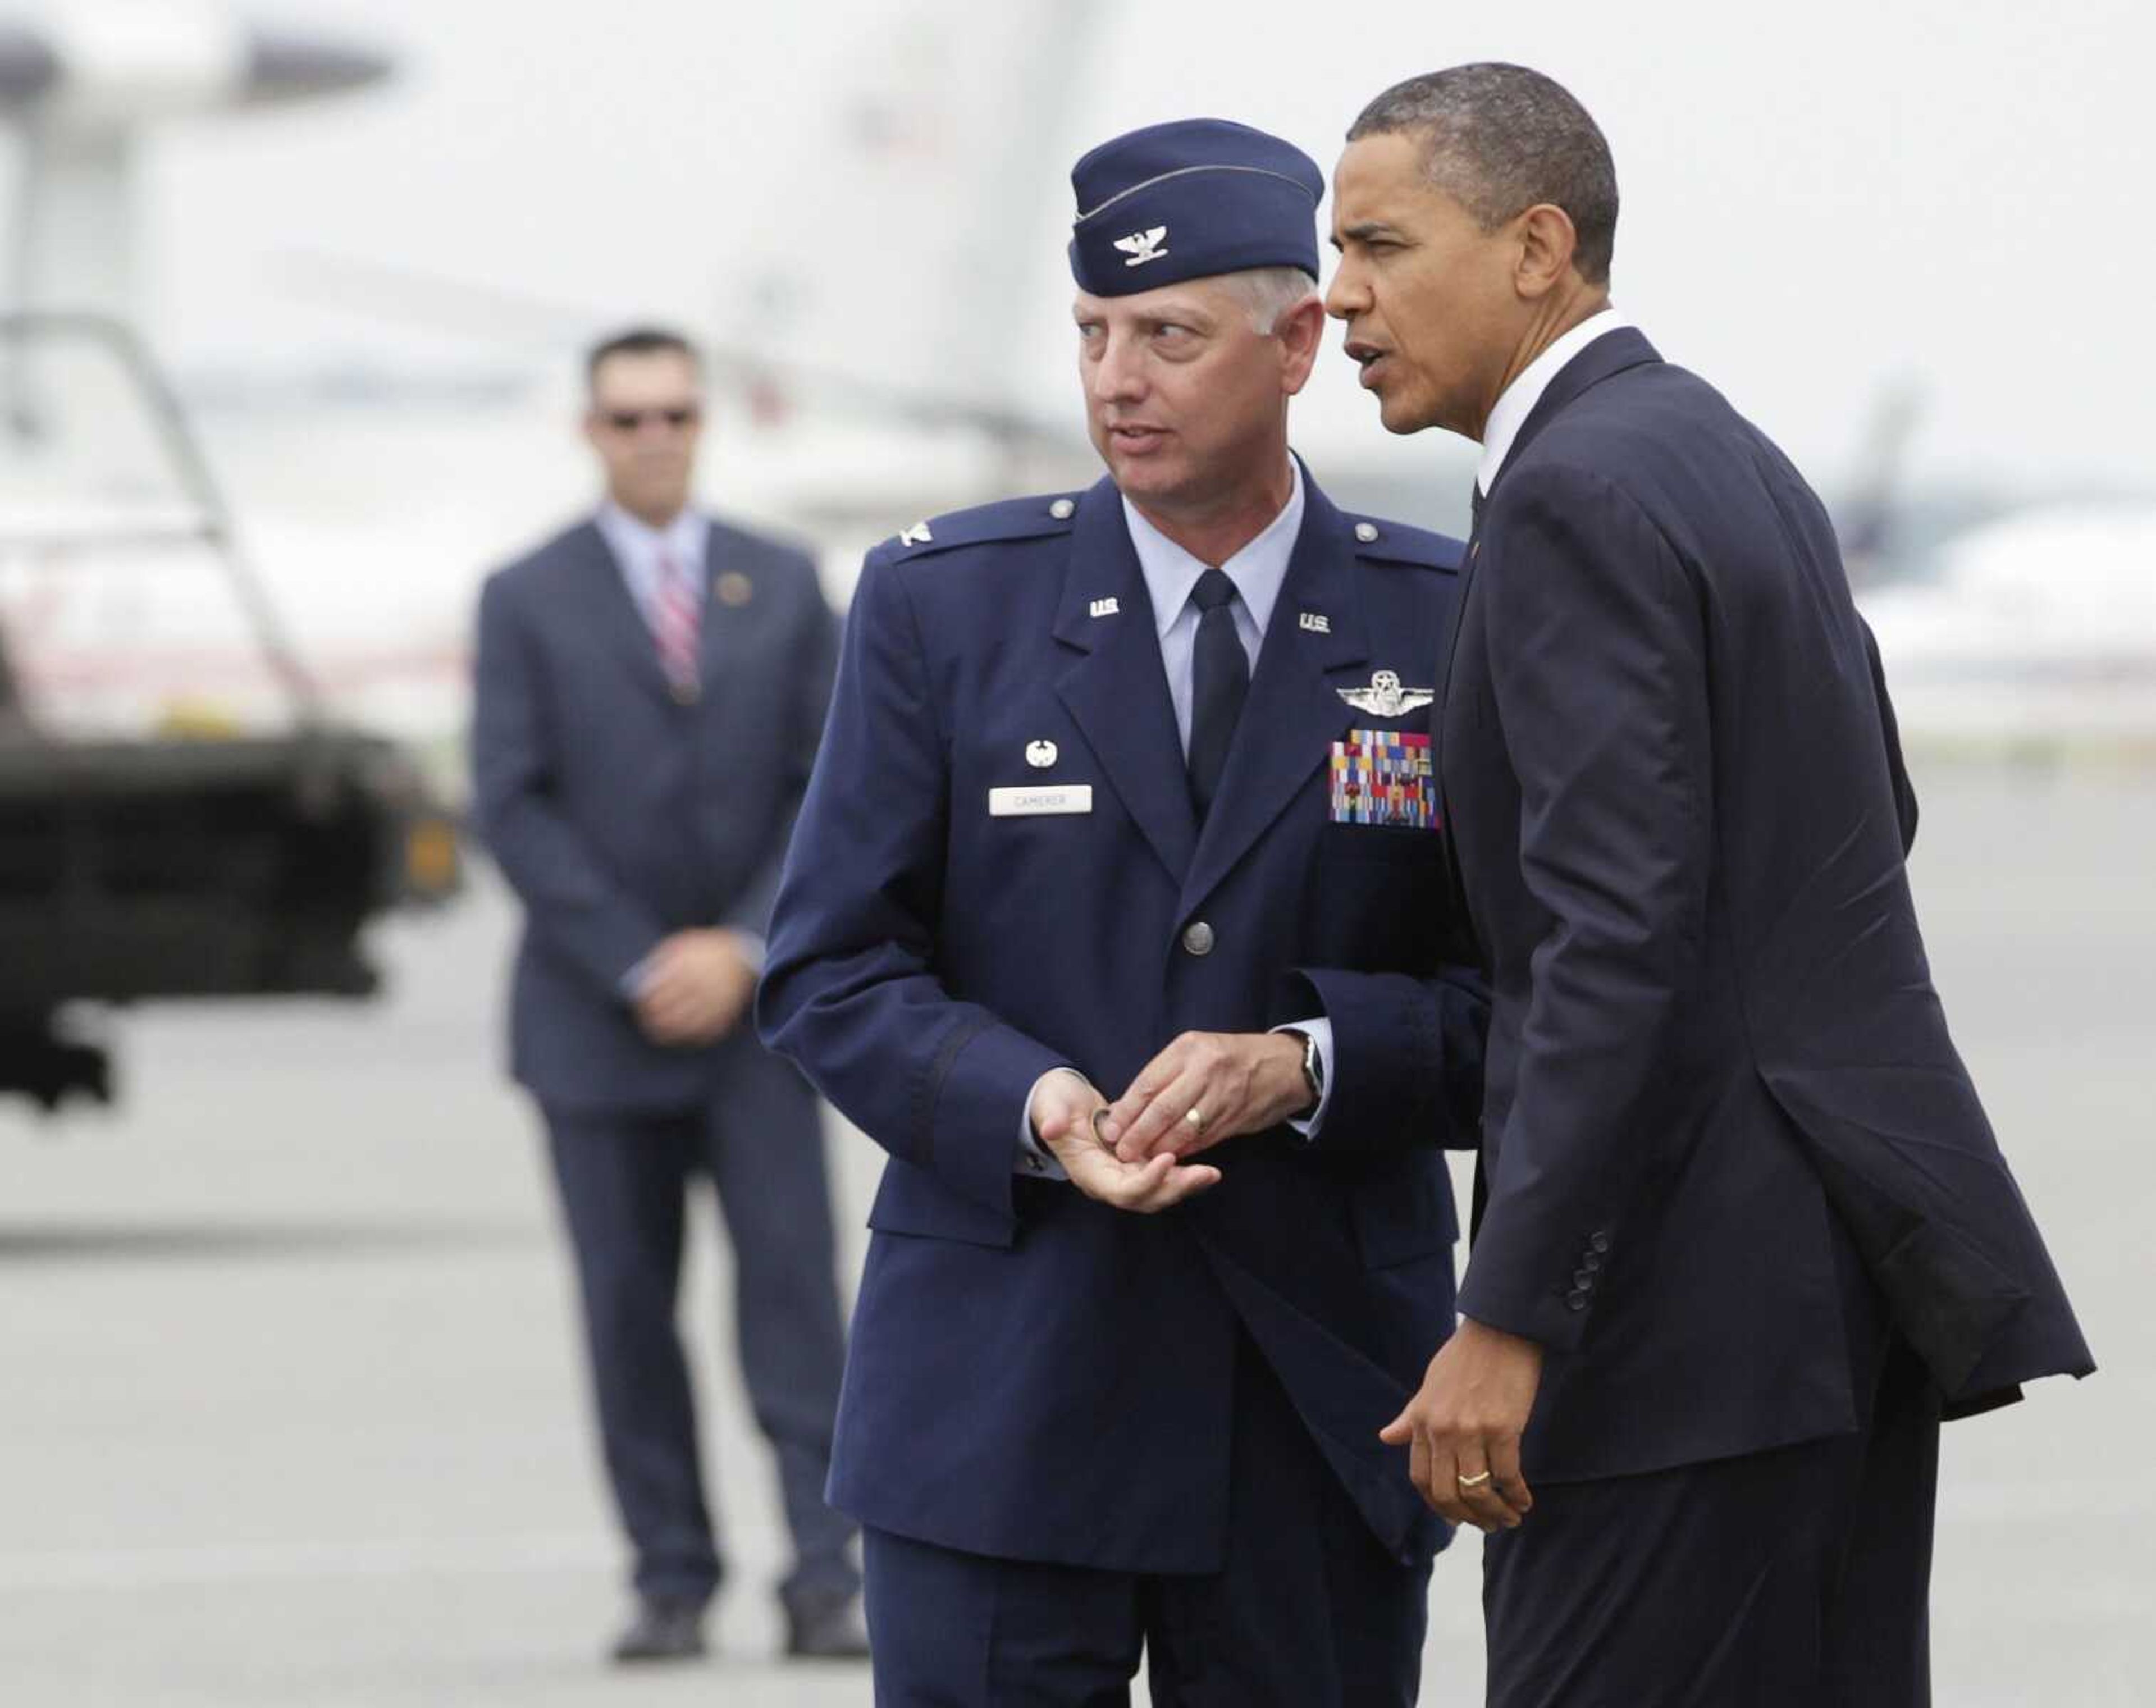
(1517, 401)
(1171, 575)
(637, 547)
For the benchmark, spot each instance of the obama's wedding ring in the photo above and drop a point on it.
(1474, 1482)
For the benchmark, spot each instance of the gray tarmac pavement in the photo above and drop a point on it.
(290, 1409)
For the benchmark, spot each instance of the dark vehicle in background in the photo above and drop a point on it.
(232, 841)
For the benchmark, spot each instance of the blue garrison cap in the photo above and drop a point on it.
(1189, 199)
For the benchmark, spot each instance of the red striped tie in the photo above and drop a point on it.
(681, 617)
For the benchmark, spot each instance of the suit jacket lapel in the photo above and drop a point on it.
(1467, 563)
(614, 613)
(725, 627)
(1115, 688)
(1293, 698)
(1611, 354)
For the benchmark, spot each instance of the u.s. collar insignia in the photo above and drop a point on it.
(917, 534)
(1385, 698)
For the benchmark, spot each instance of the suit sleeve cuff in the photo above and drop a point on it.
(1320, 1031)
(981, 1075)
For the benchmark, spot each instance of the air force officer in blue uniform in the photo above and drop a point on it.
(1745, 1234)
(1115, 783)
(650, 688)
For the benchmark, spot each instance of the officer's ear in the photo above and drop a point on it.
(1300, 332)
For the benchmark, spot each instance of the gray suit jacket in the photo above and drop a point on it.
(620, 814)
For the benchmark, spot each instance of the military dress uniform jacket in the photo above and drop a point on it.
(1680, 817)
(1033, 1375)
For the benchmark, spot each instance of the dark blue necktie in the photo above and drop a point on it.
(1475, 510)
(1220, 679)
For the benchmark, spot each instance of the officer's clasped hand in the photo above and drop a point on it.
(1234, 1083)
(1065, 1107)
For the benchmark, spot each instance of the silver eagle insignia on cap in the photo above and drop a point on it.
(1385, 698)
(1143, 246)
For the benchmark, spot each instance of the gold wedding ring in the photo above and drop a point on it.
(1101, 1138)
(1196, 1117)
(1474, 1482)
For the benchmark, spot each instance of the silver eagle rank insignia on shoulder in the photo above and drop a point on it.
(1385, 698)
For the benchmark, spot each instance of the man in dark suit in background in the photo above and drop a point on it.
(1116, 782)
(650, 689)
(1744, 1233)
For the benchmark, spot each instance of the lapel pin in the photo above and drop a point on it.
(1040, 755)
(917, 534)
(1316, 623)
(1385, 698)
(734, 588)
(1104, 608)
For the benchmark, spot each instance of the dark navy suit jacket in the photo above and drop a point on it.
(1033, 1375)
(620, 814)
(1679, 814)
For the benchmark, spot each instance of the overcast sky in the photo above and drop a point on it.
(1820, 201)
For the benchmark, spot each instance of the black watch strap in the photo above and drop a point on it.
(1313, 1064)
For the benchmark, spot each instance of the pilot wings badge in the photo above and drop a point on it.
(1385, 698)
(1143, 246)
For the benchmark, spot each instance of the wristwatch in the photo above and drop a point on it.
(1313, 1065)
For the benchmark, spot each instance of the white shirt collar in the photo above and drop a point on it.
(1517, 401)
(632, 537)
(1258, 570)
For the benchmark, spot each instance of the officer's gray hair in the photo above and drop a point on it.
(1271, 294)
(1500, 139)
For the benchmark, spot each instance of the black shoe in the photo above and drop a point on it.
(826, 1630)
(663, 1630)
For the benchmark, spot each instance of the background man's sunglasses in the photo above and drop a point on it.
(628, 420)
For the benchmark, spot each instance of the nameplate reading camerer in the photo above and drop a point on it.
(1026, 802)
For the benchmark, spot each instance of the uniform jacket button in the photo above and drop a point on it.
(1576, 1299)
(1367, 532)
(1582, 1279)
(1197, 938)
(1600, 1242)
